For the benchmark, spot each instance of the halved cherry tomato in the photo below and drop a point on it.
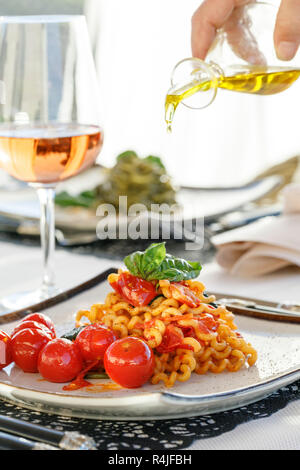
(60, 361)
(5, 350)
(41, 318)
(184, 295)
(26, 346)
(93, 341)
(171, 340)
(135, 290)
(31, 324)
(207, 323)
(129, 362)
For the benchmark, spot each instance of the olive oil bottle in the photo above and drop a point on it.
(253, 80)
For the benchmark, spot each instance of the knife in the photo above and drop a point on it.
(260, 309)
(244, 217)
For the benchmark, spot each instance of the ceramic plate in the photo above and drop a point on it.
(23, 204)
(278, 364)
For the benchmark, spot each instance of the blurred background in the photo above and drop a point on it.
(136, 45)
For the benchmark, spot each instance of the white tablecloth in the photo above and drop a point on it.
(281, 431)
(20, 269)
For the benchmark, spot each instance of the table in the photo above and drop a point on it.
(272, 423)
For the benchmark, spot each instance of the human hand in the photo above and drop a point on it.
(214, 14)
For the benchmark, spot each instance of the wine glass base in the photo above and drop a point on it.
(23, 300)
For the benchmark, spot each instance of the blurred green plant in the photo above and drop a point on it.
(40, 7)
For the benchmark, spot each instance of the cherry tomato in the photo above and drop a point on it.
(93, 341)
(5, 350)
(135, 290)
(26, 346)
(41, 318)
(31, 324)
(207, 323)
(171, 340)
(184, 295)
(60, 361)
(129, 362)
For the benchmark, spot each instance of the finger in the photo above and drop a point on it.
(211, 15)
(287, 29)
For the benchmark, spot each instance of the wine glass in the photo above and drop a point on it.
(49, 117)
(242, 58)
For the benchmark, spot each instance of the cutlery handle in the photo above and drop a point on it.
(265, 314)
(64, 440)
(11, 442)
(277, 311)
(28, 430)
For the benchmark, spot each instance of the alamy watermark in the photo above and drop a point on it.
(161, 221)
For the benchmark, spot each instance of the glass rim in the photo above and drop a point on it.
(23, 19)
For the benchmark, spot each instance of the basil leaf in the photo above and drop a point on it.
(155, 264)
(152, 258)
(127, 154)
(143, 263)
(85, 199)
(177, 269)
(133, 262)
(72, 335)
(90, 194)
(155, 161)
(96, 375)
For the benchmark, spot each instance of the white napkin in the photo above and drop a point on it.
(266, 245)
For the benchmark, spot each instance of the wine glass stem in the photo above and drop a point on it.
(46, 194)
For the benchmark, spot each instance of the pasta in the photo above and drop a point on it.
(184, 339)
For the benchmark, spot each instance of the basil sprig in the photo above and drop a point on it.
(156, 264)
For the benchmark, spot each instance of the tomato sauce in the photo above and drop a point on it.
(79, 381)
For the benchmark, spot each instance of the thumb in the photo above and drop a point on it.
(287, 29)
